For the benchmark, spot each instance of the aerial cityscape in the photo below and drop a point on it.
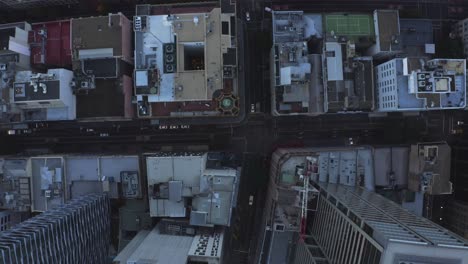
(233, 131)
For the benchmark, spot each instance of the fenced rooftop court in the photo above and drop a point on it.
(350, 25)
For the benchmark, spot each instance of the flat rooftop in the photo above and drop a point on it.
(103, 36)
(349, 25)
(110, 99)
(296, 80)
(415, 34)
(8, 31)
(55, 48)
(388, 28)
(184, 58)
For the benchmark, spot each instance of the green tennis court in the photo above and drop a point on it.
(350, 25)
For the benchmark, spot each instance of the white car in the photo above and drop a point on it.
(251, 199)
(252, 108)
(173, 127)
(185, 126)
(162, 126)
(247, 16)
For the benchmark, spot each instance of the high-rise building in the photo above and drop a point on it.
(457, 217)
(353, 224)
(413, 84)
(320, 208)
(461, 29)
(77, 232)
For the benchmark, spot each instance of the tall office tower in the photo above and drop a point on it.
(457, 217)
(77, 232)
(333, 216)
(353, 225)
(461, 29)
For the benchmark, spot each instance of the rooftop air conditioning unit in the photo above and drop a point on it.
(169, 58)
(169, 48)
(169, 68)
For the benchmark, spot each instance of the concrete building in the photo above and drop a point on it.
(461, 28)
(387, 33)
(44, 97)
(50, 44)
(179, 182)
(347, 73)
(457, 217)
(14, 56)
(16, 187)
(156, 246)
(101, 63)
(186, 62)
(289, 203)
(413, 84)
(417, 37)
(296, 86)
(318, 64)
(77, 232)
(40, 183)
(193, 197)
(342, 219)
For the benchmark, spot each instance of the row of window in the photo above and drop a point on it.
(386, 83)
(388, 105)
(389, 98)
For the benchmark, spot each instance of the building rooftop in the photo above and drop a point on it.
(184, 58)
(422, 85)
(387, 32)
(50, 43)
(296, 85)
(101, 58)
(348, 79)
(348, 178)
(14, 41)
(173, 180)
(157, 246)
(44, 97)
(318, 64)
(112, 98)
(354, 26)
(429, 169)
(415, 34)
(103, 36)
